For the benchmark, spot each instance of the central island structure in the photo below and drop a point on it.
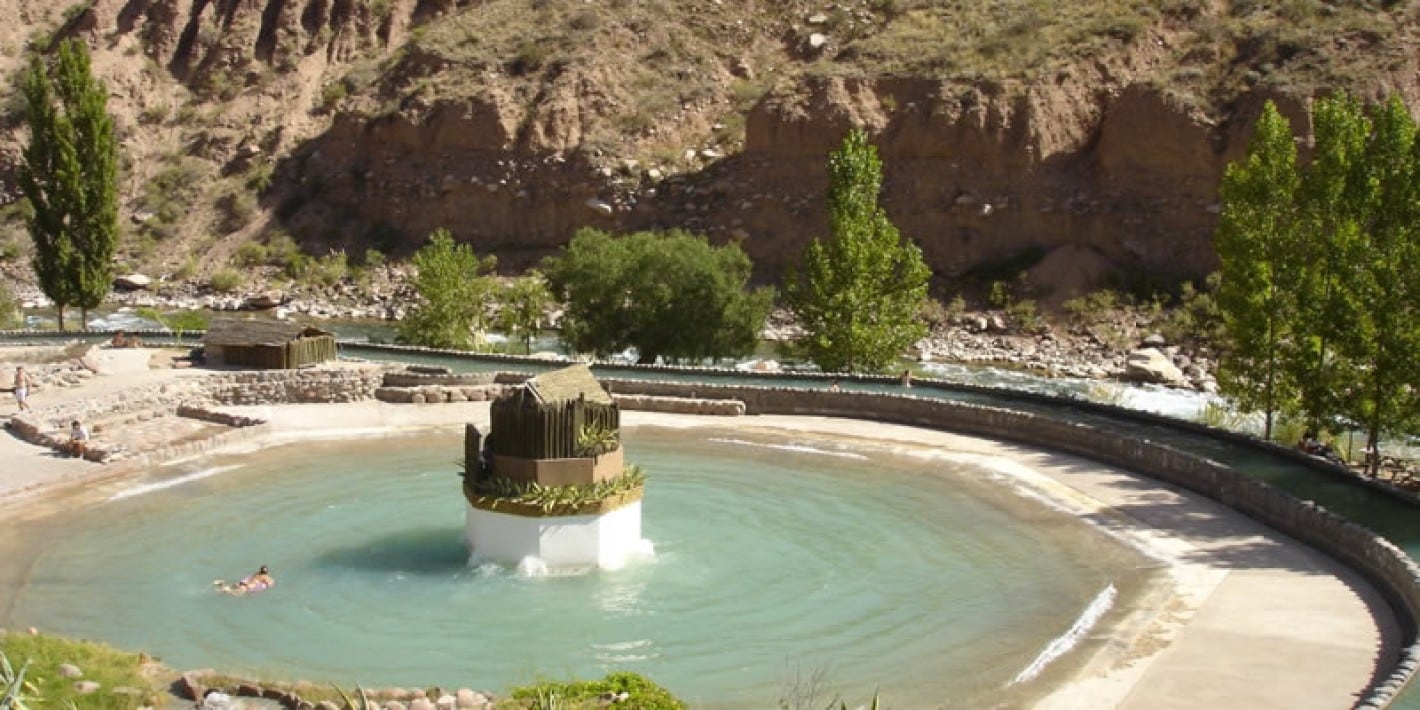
(548, 487)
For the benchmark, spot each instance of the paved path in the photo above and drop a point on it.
(24, 467)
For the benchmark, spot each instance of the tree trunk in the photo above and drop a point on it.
(84, 319)
(61, 317)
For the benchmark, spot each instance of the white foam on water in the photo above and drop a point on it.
(797, 448)
(171, 482)
(1062, 644)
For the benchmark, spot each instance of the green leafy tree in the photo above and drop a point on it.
(1256, 244)
(523, 307)
(69, 175)
(454, 295)
(1332, 196)
(1384, 285)
(671, 296)
(861, 291)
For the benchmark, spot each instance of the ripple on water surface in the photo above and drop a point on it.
(772, 559)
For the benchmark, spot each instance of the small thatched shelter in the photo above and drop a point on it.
(267, 344)
(545, 418)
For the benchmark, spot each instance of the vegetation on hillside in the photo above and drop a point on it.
(1320, 288)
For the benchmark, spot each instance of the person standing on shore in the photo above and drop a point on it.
(22, 388)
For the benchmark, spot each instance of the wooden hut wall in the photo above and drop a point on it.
(307, 351)
(525, 429)
(270, 357)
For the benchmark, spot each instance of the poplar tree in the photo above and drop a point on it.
(1384, 286)
(861, 290)
(1331, 199)
(69, 175)
(1256, 242)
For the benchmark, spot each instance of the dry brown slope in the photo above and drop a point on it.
(1102, 126)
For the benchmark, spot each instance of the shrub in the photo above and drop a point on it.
(10, 316)
(226, 280)
(251, 254)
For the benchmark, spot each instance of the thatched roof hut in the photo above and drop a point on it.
(267, 344)
(545, 418)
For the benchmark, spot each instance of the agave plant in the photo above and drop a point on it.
(365, 702)
(548, 498)
(15, 692)
(595, 440)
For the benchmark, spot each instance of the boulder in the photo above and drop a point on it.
(1151, 366)
(188, 687)
(421, 704)
(1156, 340)
(446, 702)
(468, 700)
(69, 670)
(265, 299)
(85, 687)
(132, 282)
(601, 207)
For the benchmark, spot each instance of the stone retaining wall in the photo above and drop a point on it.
(679, 405)
(439, 394)
(1387, 566)
(304, 386)
(421, 379)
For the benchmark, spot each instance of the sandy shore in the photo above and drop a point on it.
(1248, 618)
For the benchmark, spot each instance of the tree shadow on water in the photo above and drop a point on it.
(422, 551)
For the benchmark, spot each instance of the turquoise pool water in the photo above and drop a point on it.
(775, 559)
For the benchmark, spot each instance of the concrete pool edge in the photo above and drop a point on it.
(1399, 584)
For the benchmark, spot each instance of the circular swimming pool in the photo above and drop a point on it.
(779, 560)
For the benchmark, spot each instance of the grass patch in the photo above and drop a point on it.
(641, 694)
(111, 668)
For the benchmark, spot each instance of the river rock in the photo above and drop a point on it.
(421, 704)
(1151, 366)
(1155, 340)
(69, 670)
(188, 687)
(85, 687)
(601, 207)
(446, 702)
(132, 282)
(469, 700)
(266, 299)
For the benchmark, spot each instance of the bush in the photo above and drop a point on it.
(226, 280)
(251, 254)
(10, 316)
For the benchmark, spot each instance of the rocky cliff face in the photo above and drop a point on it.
(377, 134)
(975, 176)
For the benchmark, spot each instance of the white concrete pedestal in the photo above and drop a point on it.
(606, 540)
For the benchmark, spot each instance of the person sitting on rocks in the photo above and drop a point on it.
(258, 582)
(78, 443)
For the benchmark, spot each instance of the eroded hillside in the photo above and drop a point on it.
(1088, 137)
